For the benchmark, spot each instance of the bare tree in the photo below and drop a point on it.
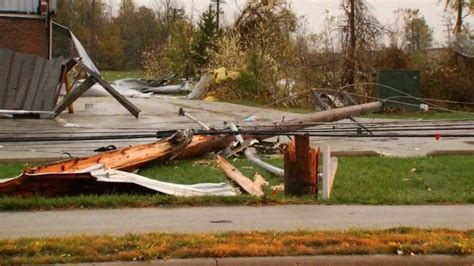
(463, 8)
(362, 33)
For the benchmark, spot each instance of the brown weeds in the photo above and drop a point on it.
(153, 246)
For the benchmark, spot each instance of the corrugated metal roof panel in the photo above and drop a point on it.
(19, 6)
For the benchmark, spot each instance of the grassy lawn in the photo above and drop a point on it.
(443, 179)
(115, 75)
(11, 170)
(153, 246)
(360, 180)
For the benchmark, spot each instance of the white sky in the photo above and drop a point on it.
(314, 11)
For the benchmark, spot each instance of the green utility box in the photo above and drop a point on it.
(407, 82)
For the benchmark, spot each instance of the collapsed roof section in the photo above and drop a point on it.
(93, 78)
(30, 85)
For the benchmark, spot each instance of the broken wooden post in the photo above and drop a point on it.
(329, 172)
(301, 167)
(69, 88)
(249, 186)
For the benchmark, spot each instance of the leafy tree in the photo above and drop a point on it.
(77, 15)
(417, 33)
(207, 35)
(126, 21)
(110, 52)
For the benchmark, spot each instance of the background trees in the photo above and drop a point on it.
(268, 52)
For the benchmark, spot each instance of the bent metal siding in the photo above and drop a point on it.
(19, 6)
(28, 82)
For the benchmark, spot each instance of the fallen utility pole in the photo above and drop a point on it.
(334, 114)
(325, 116)
(184, 146)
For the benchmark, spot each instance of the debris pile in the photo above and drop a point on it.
(32, 86)
(112, 171)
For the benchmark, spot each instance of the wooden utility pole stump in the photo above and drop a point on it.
(301, 167)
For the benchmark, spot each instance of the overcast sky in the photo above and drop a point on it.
(314, 11)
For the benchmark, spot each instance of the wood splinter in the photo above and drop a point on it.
(249, 186)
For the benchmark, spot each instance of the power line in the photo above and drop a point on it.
(218, 11)
(337, 132)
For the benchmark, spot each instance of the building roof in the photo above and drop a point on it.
(30, 7)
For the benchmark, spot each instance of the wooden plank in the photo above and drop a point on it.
(329, 176)
(332, 176)
(26, 79)
(68, 85)
(35, 78)
(326, 172)
(76, 93)
(12, 79)
(52, 85)
(253, 188)
(23, 81)
(6, 57)
(39, 93)
(289, 158)
(119, 97)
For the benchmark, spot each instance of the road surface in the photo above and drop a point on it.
(108, 117)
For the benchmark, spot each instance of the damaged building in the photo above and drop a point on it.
(27, 27)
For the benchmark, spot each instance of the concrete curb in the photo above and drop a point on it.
(311, 260)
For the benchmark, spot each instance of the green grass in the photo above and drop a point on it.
(115, 75)
(432, 115)
(443, 179)
(203, 171)
(360, 180)
(121, 201)
(11, 170)
(156, 246)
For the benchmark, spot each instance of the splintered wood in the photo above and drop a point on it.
(249, 186)
(301, 167)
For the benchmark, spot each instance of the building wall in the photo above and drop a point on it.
(25, 35)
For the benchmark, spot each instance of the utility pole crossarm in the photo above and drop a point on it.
(218, 11)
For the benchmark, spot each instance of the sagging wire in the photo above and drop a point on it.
(275, 132)
(406, 94)
(321, 125)
(424, 100)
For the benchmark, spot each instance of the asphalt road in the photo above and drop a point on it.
(222, 219)
(108, 117)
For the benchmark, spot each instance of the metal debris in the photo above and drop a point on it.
(29, 85)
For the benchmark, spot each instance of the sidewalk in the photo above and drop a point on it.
(222, 219)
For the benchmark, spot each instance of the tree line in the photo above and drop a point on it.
(267, 43)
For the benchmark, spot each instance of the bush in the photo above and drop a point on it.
(450, 78)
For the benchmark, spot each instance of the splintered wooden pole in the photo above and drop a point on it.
(301, 167)
(68, 84)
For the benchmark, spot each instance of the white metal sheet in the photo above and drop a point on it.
(19, 6)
